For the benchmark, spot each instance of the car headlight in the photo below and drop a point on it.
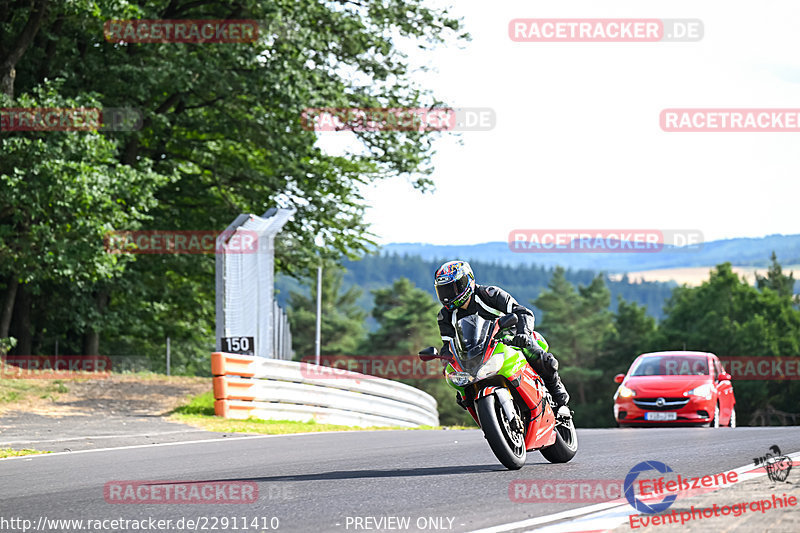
(491, 367)
(460, 379)
(704, 391)
(625, 392)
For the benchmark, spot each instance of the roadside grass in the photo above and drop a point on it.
(9, 452)
(199, 412)
(17, 390)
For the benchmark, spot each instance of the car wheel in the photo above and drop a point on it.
(732, 421)
(715, 423)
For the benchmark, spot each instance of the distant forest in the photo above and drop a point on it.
(523, 282)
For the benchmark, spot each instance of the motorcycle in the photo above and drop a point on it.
(505, 396)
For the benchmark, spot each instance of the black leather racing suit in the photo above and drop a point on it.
(491, 302)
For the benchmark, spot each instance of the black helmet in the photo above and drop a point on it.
(454, 284)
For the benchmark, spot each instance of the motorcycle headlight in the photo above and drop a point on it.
(459, 379)
(625, 392)
(704, 391)
(491, 367)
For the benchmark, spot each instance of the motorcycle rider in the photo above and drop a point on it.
(461, 296)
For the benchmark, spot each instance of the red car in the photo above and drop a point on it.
(675, 388)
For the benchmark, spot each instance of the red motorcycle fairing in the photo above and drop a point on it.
(540, 431)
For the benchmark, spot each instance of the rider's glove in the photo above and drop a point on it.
(521, 340)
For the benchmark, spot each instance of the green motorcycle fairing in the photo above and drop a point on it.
(514, 361)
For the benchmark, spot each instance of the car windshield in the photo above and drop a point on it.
(672, 365)
(472, 332)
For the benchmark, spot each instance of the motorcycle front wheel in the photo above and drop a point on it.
(507, 444)
(566, 445)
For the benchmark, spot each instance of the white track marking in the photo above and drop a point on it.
(135, 446)
(95, 437)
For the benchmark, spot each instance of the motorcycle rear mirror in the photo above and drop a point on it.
(430, 350)
(508, 320)
(619, 378)
(432, 353)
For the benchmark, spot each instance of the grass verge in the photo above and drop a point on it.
(16, 390)
(199, 412)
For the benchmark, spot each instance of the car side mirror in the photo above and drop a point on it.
(619, 378)
(508, 320)
(724, 376)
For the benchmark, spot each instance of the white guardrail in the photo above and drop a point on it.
(246, 386)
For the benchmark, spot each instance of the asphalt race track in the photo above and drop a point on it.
(443, 480)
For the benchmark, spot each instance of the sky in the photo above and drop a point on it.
(577, 142)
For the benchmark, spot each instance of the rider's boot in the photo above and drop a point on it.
(546, 365)
(556, 389)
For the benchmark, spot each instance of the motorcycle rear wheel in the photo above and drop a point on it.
(508, 445)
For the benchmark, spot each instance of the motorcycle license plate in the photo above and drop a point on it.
(661, 416)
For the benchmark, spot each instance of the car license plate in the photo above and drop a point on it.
(661, 416)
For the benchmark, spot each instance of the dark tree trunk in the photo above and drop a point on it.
(9, 58)
(7, 309)
(91, 339)
(21, 324)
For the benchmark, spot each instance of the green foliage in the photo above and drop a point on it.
(407, 319)
(342, 328)
(728, 317)
(6, 344)
(575, 324)
(202, 404)
(221, 135)
(777, 281)
(633, 334)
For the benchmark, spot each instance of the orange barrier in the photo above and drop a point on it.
(225, 389)
(229, 364)
(247, 386)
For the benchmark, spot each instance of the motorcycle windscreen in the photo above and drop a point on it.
(472, 332)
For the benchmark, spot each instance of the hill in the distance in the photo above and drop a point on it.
(754, 252)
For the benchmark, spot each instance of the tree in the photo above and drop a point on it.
(222, 134)
(406, 317)
(575, 324)
(60, 192)
(631, 336)
(342, 328)
(727, 316)
(776, 280)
